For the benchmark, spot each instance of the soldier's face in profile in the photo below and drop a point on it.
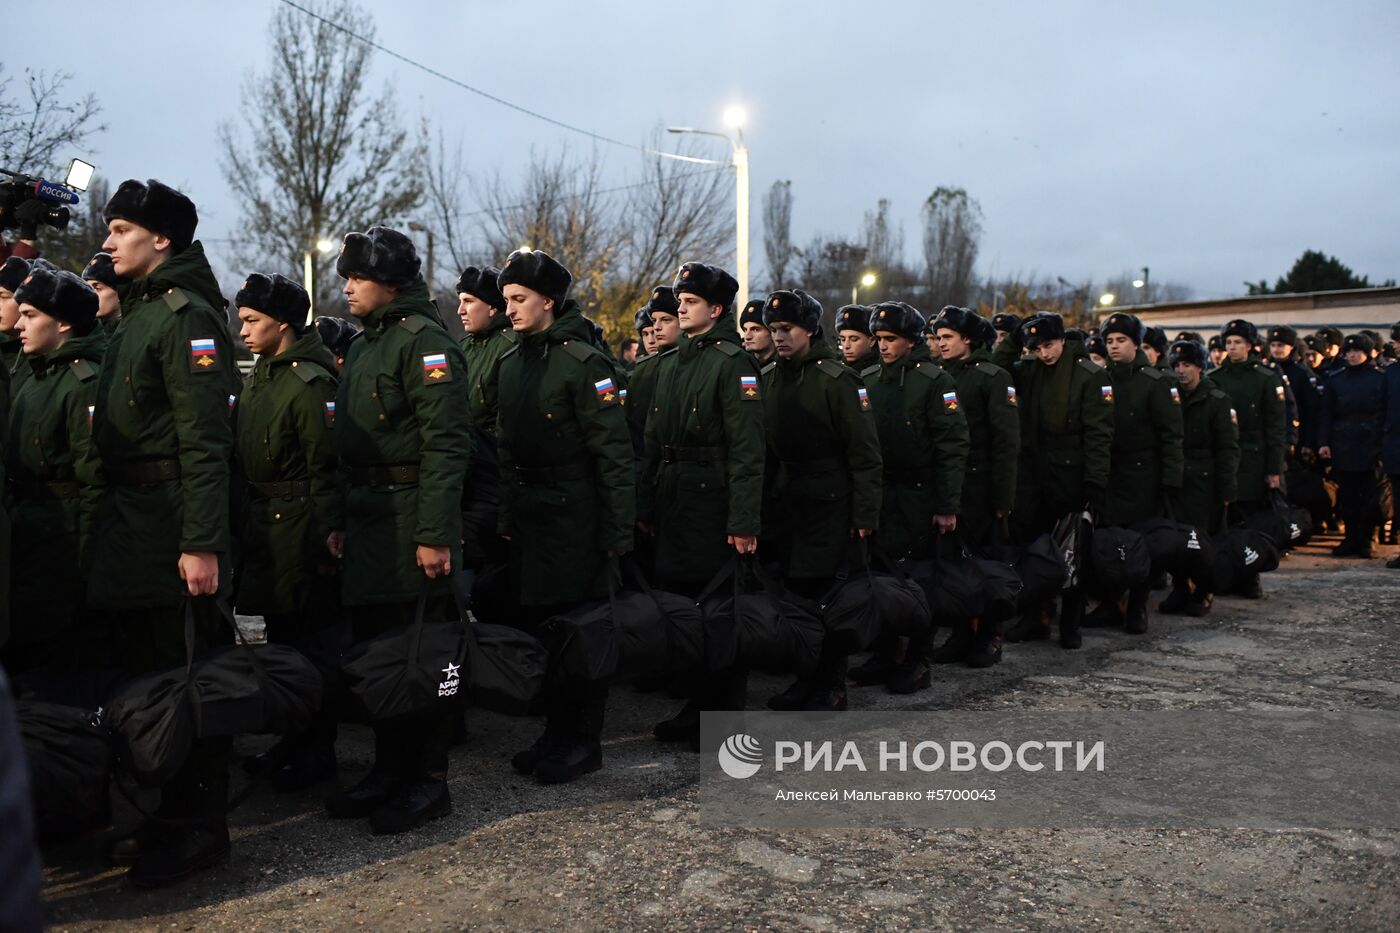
(1050, 351)
(1236, 348)
(366, 296)
(39, 333)
(1357, 357)
(108, 301)
(1151, 354)
(261, 332)
(1279, 350)
(1121, 348)
(789, 340)
(529, 311)
(951, 344)
(757, 339)
(1189, 374)
(695, 313)
(649, 339)
(893, 347)
(1314, 359)
(135, 250)
(854, 344)
(474, 313)
(9, 311)
(666, 329)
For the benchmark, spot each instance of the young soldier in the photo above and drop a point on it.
(1304, 386)
(1066, 407)
(1257, 396)
(337, 334)
(568, 487)
(1211, 462)
(988, 401)
(822, 432)
(1353, 416)
(705, 459)
(1154, 347)
(284, 444)
(646, 332)
(105, 281)
(1005, 324)
(54, 476)
(758, 340)
(854, 339)
(162, 430)
(1144, 477)
(664, 325)
(403, 437)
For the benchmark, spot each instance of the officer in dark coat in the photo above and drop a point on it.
(284, 443)
(1331, 338)
(854, 339)
(821, 431)
(403, 436)
(758, 340)
(54, 477)
(1352, 425)
(1304, 386)
(568, 475)
(1258, 396)
(705, 462)
(1066, 405)
(1144, 477)
(641, 387)
(162, 430)
(337, 334)
(1211, 449)
(104, 280)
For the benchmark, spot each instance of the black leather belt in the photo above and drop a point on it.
(673, 454)
(141, 472)
(282, 489)
(36, 490)
(535, 476)
(392, 474)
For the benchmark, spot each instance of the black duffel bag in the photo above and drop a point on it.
(865, 604)
(507, 668)
(1289, 525)
(1308, 491)
(767, 628)
(233, 690)
(954, 587)
(1242, 551)
(410, 670)
(1168, 543)
(70, 765)
(1118, 560)
(634, 634)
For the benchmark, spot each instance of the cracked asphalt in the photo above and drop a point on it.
(623, 848)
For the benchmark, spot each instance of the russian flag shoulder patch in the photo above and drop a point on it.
(950, 401)
(435, 368)
(606, 391)
(748, 388)
(204, 354)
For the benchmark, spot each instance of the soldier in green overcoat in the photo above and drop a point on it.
(1144, 479)
(1211, 454)
(54, 478)
(758, 339)
(403, 439)
(1258, 397)
(104, 280)
(1066, 407)
(854, 339)
(822, 435)
(567, 474)
(285, 457)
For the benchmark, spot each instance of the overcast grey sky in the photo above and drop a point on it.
(1213, 142)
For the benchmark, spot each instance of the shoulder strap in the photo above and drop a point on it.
(768, 369)
(412, 323)
(727, 348)
(83, 370)
(577, 349)
(870, 371)
(176, 299)
(990, 369)
(1090, 366)
(309, 371)
(928, 371)
(831, 368)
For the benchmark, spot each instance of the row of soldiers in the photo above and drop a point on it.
(353, 475)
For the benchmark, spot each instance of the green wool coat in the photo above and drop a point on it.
(163, 394)
(56, 484)
(567, 469)
(1257, 395)
(826, 450)
(1211, 445)
(284, 430)
(402, 401)
(992, 409)
(483, 353)
(705, 453)
(923, 445)
(1145, 469)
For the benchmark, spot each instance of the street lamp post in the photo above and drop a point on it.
(866, 281)
(308, 272)
(423, 228)
(1142, 283)
(735, 118)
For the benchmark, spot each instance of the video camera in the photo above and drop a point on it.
(26, 201)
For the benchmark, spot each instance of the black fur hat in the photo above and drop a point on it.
(1216, 343)
(1395, 331)
(1006, 321)
(380, 254)
(1188, 351)
(1096, 346)
(1282, 333)
(662, 301)
(100, 269)
(1191, 335)
(539, 272)
(336, 333)
(793, 307)
(986, 333)
(274, 295)
(1240, 328)
(1375, 336)
(896, 317)
(642, 319)
(1331, 335)
(12, 273)
(157, 207)
(1041, 327)
(1121, 322)
(853, 317)
(62, 296)
(1156, 338)
(752, 313)
(481, 283)
(1350, 342)
(709, 282)
(961, 320)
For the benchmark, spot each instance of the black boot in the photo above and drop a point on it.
(794, 697)
(682, 727)
(525, 760)
(1107, 614)
(365, 797)
(909, 676)
(1249, 587)
(876, 670)
(1071, 615)
(958, 644)
(181, 852)
(1199, 606)
(125, 850)
(986, 644)
(582, 752)
(414, 803)
(830, 682)
(305, 768)
(1135, 619)
(1034, 624)
(1176, 602)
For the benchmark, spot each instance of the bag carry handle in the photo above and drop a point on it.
(629, 563)
(420, 609)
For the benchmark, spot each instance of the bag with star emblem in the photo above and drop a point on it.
(413, 669)
(232, 690)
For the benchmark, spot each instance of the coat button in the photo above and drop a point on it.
(548, 416)
(374, 395)
(381, 416)
(294, 364)
(130, 403)
(277, 516)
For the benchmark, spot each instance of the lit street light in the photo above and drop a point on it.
(866, 281)
(1142, 284)
(1107, 298)
(308, 272)
(735, 118)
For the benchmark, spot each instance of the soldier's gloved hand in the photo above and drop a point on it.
(1096, 497)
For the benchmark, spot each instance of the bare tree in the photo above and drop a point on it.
(884, 241)
(446, 177)
(777, 231)
(952, 229)
(41, 128)
(324, 157)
